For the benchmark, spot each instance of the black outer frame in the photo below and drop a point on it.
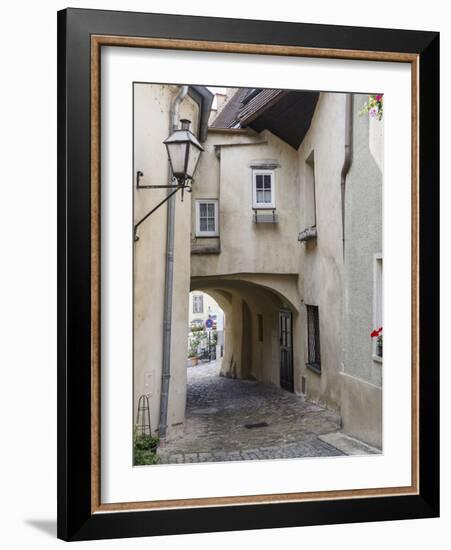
(75, 521)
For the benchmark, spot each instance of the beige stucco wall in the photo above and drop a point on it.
(361, 410)
(251, 252)
(257, 263)
(249, 247)
(258, 269)
(151, 127)
(321, 261)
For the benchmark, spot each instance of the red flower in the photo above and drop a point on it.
(376, 332)
(378, 97)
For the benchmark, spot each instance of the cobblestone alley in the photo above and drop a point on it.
(220, 409)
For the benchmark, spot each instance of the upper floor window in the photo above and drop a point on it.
(207, 218)
(198, 303)
(310, 192)
(263, 189)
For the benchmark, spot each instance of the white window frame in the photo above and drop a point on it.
(198, 300)
(200, 233)
(263, 205)
(378, 294)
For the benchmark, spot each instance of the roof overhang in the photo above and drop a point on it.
(204, 98)
(287, 114)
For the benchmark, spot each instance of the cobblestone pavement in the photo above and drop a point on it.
(219, 408)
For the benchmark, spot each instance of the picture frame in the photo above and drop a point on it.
(81, 35)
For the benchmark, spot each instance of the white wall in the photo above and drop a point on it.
(28, 472)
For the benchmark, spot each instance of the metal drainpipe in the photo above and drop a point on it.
(169, 281)
(347, 160)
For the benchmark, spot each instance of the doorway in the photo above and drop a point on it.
(286, 350)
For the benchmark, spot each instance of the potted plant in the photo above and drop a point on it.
(145, 449)
(193, 359)
(377, 333)
(374, 106)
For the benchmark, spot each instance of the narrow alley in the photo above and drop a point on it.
(230, 419)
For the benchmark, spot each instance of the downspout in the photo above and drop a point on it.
(169, 280)
(347, 160)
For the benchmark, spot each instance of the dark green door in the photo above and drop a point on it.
(286, 350)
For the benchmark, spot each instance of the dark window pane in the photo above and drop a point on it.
(314, 356)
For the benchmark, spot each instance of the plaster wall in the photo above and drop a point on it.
(361, 382)
(363, 241)
(151, 127)
(248, 247)
(258, 269)
(321, 260)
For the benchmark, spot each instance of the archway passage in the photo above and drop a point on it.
(244, 406)
(260, 318)
(205, 328)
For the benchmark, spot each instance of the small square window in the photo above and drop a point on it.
(263, 189)
(207, 218)
(198, 303)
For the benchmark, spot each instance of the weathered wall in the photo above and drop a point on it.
(257, 263)
(269, 250)
(321, 261)
(151, 127)
(249, 247)
(363, 232)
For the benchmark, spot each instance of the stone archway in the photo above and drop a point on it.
(252, 305)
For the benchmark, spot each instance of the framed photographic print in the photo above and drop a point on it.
(248, 274)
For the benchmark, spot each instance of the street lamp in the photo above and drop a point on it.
(184, 152)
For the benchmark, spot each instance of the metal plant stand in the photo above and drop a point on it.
(143, 426)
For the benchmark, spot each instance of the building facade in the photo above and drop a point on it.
(283, 229)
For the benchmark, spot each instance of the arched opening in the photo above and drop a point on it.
(259, 325)
(247, 407)
(205, 328)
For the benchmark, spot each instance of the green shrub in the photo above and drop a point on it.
(145, 449)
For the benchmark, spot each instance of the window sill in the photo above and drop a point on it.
(315, 367)
(205, 250)
(377, 359)
(268, 215)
